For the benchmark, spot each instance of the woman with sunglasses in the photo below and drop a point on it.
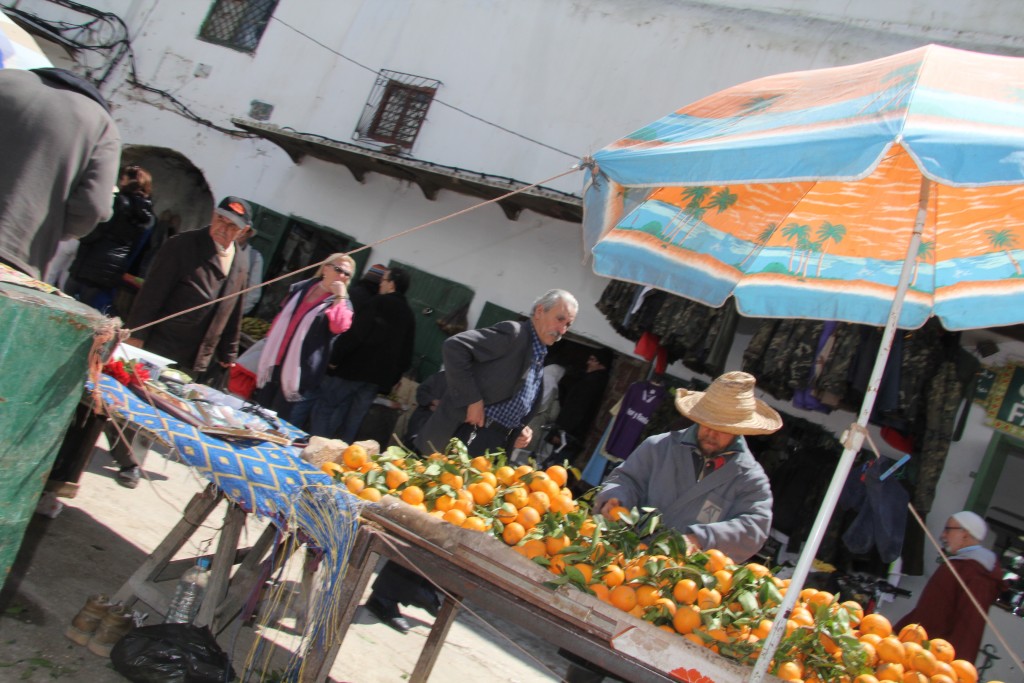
(299, 341)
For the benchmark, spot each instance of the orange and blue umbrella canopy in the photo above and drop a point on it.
(798, 194)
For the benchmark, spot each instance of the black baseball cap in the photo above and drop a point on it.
(237, 210)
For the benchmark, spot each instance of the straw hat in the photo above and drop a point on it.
(729, 406)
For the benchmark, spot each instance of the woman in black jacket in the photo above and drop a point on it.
(110, 251)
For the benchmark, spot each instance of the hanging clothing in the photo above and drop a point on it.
(944, 396)
(650, 349)
(688, 331)
(635, 409)
(881, 510)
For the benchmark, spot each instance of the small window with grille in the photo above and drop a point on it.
(396, 109)
(237, 24)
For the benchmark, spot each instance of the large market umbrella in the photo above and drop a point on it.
(879, 193)
(18, 50)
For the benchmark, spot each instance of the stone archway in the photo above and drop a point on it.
(182, 199)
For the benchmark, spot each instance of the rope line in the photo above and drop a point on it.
(573, 169)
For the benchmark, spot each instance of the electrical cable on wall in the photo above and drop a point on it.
(124, 47)
(435, 100)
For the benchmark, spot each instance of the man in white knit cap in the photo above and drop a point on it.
(944, 608)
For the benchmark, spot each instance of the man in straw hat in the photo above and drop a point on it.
(703, 480)
(944, 609)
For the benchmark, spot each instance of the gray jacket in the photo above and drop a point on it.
(730, 509)
(488, 364)
(61, 152)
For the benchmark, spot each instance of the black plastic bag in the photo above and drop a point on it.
(171, 653)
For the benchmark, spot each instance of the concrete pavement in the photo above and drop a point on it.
(107, 531)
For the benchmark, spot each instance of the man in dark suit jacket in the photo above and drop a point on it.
(494, 379)
(494, 386)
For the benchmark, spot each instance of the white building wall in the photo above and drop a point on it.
(574, 75)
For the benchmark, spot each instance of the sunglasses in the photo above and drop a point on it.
(341, 271)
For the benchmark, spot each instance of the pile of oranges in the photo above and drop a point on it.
(472, 493)
(629, 561)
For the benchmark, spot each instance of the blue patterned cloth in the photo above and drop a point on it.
(261, 477)
(267, 479)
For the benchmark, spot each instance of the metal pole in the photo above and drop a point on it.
(852, 443)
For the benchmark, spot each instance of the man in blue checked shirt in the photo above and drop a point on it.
(494, 379)
(494, 387)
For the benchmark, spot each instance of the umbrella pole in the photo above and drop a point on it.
(852, 441)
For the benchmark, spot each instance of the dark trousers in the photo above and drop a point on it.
(397, 585)
(479, 440)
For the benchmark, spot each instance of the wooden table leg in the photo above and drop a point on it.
(140, 585)
(248, 572)
(223, 561)
(319, 657)
(435, 641)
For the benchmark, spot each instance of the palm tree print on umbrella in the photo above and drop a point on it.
(796, 233)
(760, 241)
(827, 232)
(925, 254)
(1005, 240)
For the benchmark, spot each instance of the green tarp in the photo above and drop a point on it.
(44, 347)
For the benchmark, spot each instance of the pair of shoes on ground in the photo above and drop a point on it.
(99, 625)
(388, 615)
(128, 477)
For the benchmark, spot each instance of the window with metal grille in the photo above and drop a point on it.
(237, 24)
(396, 109)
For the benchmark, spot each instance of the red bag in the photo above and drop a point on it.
(241, 382)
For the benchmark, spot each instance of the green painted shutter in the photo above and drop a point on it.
(432, 298)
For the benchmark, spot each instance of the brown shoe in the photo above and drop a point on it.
(88, 619)
(114, 625)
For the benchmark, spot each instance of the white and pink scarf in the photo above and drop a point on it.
(291, 368)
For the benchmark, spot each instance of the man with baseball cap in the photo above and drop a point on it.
(191, 269)
(703, 480)
(944, 608)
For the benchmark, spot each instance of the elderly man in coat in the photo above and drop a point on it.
(494, 377)
(703, 479)
(944, 608)
(193, 269)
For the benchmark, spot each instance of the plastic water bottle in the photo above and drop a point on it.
(188, 596)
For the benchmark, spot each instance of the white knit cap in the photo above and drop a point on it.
(972, 524)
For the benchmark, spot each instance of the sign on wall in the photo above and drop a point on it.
(983, 387)
(1005, 408)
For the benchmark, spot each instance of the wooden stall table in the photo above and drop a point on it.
(253, 477)
(477, 568)
(225, 593)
